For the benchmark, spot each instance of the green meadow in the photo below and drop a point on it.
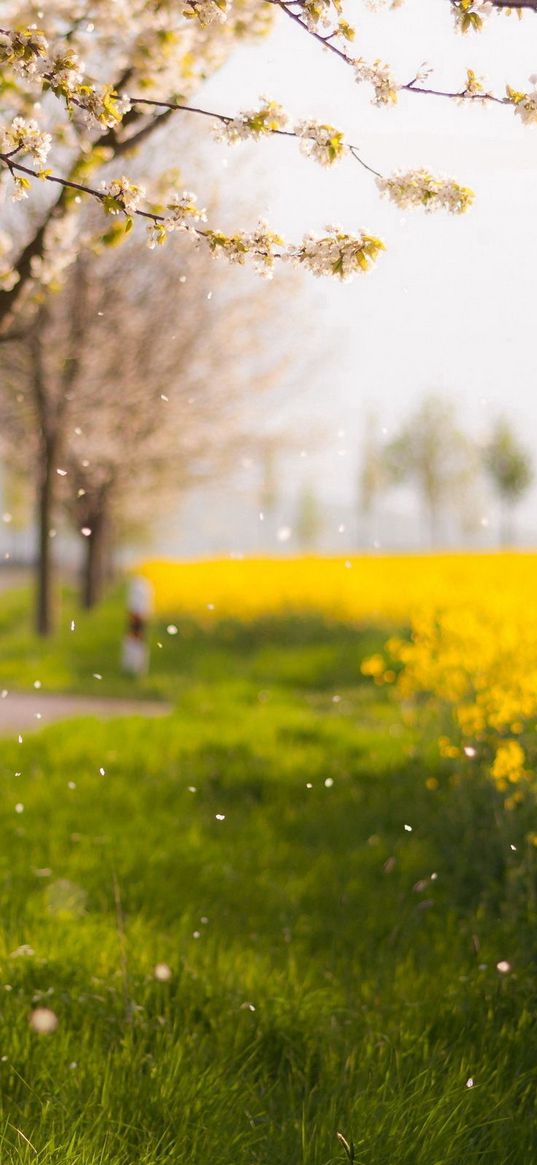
(326, 902)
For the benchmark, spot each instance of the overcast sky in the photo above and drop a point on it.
(451, 304)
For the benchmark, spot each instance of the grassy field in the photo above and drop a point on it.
(331, 899)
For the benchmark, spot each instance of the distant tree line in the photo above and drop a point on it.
(432, 453)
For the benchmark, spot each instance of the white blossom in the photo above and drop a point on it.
(419, 188)
(317, 12)
(65, 73)
(121, 195)
(182, 213)
(25, 137)
(469, 14)
(100, 105)
(525, 104)
(380, 77)
(24, 52)
(253, 123)
(324, 143)
(336, 253)
(207, 11)
(259, 243)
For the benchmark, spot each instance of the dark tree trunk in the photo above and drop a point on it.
(45, 500)
(95, 562)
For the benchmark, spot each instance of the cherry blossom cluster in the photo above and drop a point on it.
(474, 85)
(317, 12)
(336, 253)
(419, 188)
(207, 11)
(525, 104)
(326, 14)
(25, 137)
(259, 243)
(469, 14)
(378, 75)
(25, 52)
(253, 123)
(30, 56)
(324, 143)
(182, 213)
(120, 196)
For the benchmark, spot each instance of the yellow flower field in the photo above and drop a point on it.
(391, 588)
(473, 620)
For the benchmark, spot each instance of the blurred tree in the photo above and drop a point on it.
(373, 478)
(268, 489)
(509, 468)
(35, 392)
(308, 521)
(433, 453)
(130, 388)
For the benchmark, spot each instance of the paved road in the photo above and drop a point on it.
(21, 710)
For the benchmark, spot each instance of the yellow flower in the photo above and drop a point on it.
(508, 764)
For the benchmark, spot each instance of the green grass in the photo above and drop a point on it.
(309, 653)
(322, 980)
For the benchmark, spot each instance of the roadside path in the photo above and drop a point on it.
(22, 710)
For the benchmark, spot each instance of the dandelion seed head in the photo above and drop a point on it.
(162, 972)
(43, 1020)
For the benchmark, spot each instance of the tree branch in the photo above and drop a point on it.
(35, 247)
(226, 119)
(532, 4)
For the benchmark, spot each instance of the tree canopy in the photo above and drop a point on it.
(86, 83)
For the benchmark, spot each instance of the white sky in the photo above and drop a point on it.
(450, 305)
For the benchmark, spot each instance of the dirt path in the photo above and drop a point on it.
(21, 710)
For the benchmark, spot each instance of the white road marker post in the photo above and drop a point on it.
(135, 648)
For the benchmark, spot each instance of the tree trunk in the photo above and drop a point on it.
(432, 523)
(45, 499)
(95, 562)
(506, 527)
